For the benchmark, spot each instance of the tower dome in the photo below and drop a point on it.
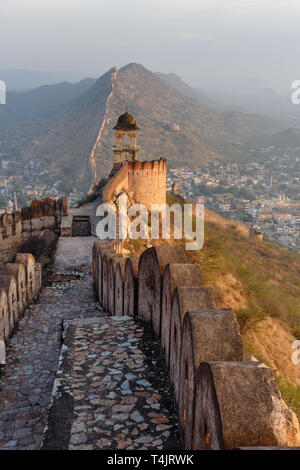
(126, 122)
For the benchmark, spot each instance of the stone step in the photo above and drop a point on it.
(105, 395)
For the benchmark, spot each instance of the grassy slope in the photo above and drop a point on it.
(267, 275)
(258, 280)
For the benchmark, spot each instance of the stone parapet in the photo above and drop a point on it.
(224, 402)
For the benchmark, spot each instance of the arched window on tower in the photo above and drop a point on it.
(126, 140)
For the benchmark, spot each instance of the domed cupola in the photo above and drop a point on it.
(126, 122)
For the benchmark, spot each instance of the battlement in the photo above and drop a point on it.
(202, 348)
(148, 168)
(20, 283)
(116, 184)
(22, 225)
(146, 180)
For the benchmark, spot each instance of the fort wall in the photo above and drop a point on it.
(145, 180)
(208, 352)
(20, 274)
(20, 284)
(117, 184)
(18, 227)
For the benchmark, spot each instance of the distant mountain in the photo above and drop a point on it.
(287, 138)
(21, 80)
(40, 102)
(173, 80)
(75, 141)
(266, 102)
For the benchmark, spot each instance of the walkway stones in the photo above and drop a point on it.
(65, 346)
(32, 355)
(124, 416)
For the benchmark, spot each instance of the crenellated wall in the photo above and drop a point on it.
(20, 274)
(117, 184)
(146, 180)
(20, 283)
(223, 401)
(19, 227)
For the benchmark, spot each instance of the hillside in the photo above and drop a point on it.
(65, 139)
(172, 125)
(174, 81)
(39, 102)
(287, 138)
(261, 282)
(266, 102)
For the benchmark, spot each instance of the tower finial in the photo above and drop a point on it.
(126, 109)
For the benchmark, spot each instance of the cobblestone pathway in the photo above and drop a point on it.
(104, 384)
(119, 400)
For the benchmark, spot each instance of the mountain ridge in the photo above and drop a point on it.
(40, 102)
(172, 125)
(24, 79)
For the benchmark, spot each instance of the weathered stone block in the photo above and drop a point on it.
(5, 327)
(26, 213)
(105, 262)
(37, 225)
(151, 267)
(175, 274)
(210, 335)
(113, 259)
(17, 224)
(37, 209)
(101, 252)
(62, 206)
(28, 262)
(17, 270)
(131, 286)
(239, 404)
(26, 228)
(97, 247)
(7, 219)
(186, 298)
(49, 207)
(9, 283)
(49, 222)
(119, 287)
(66, 226)
(37, 285)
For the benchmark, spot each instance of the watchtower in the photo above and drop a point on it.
(125, 148)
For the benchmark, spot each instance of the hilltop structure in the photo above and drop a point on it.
(144, 182)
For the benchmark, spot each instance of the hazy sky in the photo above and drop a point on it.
(210, 43)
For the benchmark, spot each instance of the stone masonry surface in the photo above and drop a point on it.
(105, 384)
(118, 376)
